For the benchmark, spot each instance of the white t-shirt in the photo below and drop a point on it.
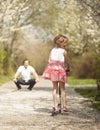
(57, 54)
(26, 73)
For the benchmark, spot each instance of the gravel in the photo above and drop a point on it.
(31, 110)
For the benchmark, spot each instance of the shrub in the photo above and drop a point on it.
(2, 56)
(97, 71)
(84, 66)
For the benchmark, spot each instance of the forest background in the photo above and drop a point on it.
(27, 29)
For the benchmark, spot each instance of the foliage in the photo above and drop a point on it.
(97, 71)
(84, 66)
(92, 6)
(75, 18)
(2, 56)
(97, 97)
(5, 61)
(45, 13)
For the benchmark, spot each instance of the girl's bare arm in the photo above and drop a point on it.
(67, 64)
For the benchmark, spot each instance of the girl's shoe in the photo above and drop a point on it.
(54, 111)
(59, 108)
(65, 109)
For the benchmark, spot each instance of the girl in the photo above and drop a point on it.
(56, 69)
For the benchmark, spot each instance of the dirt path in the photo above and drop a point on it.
(30, 110)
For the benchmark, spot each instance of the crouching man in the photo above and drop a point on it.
(25, 75)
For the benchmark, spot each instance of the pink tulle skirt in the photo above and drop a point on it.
(55, 71)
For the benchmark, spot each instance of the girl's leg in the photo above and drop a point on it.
(55, 99)
(63, 94)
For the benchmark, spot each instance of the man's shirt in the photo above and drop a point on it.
(26, 73)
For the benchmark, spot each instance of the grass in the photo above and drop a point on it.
(71, 80)
(77, 81)
(5, 78)
(93, 94)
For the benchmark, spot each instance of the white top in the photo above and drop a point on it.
(26, 73)
(57, 54)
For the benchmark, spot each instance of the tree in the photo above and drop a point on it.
(75, 18)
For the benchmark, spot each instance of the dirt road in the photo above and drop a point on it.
(30, 110)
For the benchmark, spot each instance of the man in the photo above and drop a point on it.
(26, 73)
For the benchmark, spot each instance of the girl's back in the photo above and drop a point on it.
(57, 54)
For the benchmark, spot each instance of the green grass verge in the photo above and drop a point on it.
(92, 93)
(5, 78)
(77, 81)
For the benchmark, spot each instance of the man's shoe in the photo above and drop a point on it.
(29, 89)
(19, 88)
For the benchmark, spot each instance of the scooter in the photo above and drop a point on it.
(54, 112)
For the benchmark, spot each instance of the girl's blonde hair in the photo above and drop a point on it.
(60, 38)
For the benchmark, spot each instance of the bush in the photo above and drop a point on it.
(84, 66)
(97, 71)
(5, 61)
(97, 97)
(2, 56)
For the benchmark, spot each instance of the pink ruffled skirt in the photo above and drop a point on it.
(55, 71)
